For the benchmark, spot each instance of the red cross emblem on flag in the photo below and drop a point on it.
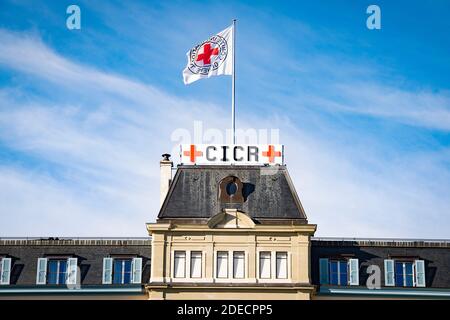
(193, 153)
(271, 153)
(205, 53)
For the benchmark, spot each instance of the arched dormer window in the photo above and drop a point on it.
(230, 190)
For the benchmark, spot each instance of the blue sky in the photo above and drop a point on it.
(364, 114)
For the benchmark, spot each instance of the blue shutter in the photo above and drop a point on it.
(353, 267)
(389, 273)
(323, 266)
(136, 270)
(107, 270)
(41, 273)
(5, 271)
(420, 273)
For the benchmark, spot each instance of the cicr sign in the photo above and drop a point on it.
(242, 154)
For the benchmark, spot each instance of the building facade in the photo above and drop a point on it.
(225, 232)
(380, 268)
(53, 268)
(228, 232)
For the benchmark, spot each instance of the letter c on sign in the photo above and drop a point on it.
(234, 153)
(208, 155)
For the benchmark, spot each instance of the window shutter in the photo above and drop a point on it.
(41, 274)
(420, 273)
(389, 273)
(5, 271)
(72, 269)
(107, 270)
(323, 266)
(353, 267)
(137, 270)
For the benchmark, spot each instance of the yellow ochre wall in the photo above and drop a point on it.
(293, 239)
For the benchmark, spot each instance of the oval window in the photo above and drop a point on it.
(231, 188)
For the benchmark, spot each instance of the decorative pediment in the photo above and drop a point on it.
(230, 219)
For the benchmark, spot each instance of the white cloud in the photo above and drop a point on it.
(107, 147)
(422, 108)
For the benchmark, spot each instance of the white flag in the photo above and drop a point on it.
(210, 58)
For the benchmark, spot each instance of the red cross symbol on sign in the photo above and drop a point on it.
(271, 153)
(207, 53)
(192, 153)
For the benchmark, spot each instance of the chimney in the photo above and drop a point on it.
(166, 176)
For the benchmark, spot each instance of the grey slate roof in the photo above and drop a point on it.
(435, 253)
(90, 253)
(194, 193)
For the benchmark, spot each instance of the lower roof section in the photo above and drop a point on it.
(384, 292)
(64, 290)
(379, 242)
(75, 241)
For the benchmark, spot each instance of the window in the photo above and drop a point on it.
(238, 264)
(231, 188)
(122, 271)
(179, 270)
(57, 271)
(196, 264)
(281, 265)
(5, 270)
(339, 272)
(222, 264)
(264, 265)
(404, 273)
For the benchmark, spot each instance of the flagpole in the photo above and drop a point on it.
(233, 88)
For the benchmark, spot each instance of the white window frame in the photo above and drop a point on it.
(259, 264)
(353, 281)
(136, 270)
(276, 266)
(216, 264)
(230, 278)
(5, 276)
(244, 264)
(273, 265)
(41, 271)
(389, 276)
(107, 274)
(416, 273)
(185, 273)
(72, 271)
(200, 265)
